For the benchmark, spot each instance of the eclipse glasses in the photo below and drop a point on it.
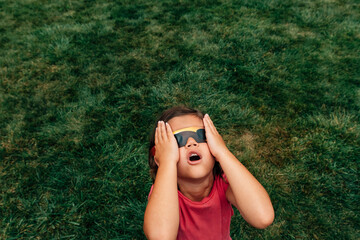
(182, 136)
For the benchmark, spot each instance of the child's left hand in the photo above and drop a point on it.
(215, 142)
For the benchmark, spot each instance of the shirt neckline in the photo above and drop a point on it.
(205, 199)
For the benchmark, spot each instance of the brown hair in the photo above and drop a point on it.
(166, 116)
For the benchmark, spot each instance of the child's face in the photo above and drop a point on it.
(195, 160)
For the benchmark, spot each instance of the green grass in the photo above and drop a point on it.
(82, 82)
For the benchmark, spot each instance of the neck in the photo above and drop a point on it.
(198, 189)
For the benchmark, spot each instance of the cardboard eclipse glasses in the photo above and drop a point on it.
(182, 136)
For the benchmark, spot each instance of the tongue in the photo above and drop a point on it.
(194, 158)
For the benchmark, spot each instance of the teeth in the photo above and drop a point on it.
(193, 155)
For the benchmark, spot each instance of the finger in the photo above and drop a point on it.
(163, 131)
(206, 124)
(157, 134)
(210, 123)
(169, 131)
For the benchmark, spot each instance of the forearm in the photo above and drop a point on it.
(251, 198)
(161, 220)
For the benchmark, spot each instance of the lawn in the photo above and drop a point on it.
(82, 83)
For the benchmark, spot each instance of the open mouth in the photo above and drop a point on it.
(194, 157)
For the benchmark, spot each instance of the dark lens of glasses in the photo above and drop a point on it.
(201, 134)
(179, 139)
(182, 137)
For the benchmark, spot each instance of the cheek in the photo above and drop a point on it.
(182, 153)
(205, 148)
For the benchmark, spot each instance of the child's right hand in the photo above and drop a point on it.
(167, 150)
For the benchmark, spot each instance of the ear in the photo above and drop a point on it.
(153, 151)
(156, 161)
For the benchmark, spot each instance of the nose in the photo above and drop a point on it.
(191, 143)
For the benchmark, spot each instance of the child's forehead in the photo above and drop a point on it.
(185, 121)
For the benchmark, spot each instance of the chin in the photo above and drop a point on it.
(199, 170)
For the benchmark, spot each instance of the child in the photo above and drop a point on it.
(196, 180)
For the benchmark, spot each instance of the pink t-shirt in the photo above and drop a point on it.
(208, 219)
